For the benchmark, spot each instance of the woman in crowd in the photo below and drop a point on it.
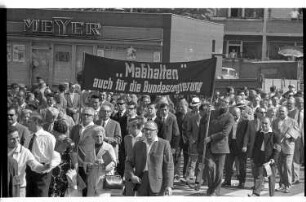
(99, 161)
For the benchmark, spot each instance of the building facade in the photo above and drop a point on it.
(257, 34)
(50, 43)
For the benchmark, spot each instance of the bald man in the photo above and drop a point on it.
(288, 130)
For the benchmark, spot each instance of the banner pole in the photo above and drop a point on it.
(200, 174)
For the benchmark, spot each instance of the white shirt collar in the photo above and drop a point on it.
(269, 131)
(14, 124)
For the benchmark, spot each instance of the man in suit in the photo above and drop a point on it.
(122, 118)
(81, 135)
(96, 105)
(151, 112)
(236, 139)
(73, 103)
(288, 130)
(112, 128)
(135, 126)
(182, 120)
(151, 166)
(167, 127)
(192, 133)
(294, 113)
(253, 127)
(23, 131)
(220, 126)
(265, 151)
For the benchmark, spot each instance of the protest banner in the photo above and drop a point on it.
(122, 76)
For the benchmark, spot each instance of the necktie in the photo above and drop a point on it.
(32, 142)
(103, 124)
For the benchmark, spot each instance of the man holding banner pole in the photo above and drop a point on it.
(215, 147)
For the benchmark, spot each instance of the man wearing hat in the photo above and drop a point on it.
(192, 134)
(150, 166)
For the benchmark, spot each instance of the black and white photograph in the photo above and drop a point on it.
(155, 101)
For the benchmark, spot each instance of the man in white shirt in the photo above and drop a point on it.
(41, 143)
(23, 157)
(81, 135)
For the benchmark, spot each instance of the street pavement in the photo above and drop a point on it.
(181, 189)
(298, 190)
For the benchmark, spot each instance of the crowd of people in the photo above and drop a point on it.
(65, 141)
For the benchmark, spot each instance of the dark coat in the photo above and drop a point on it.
(169, 130)
(272, 147)
(240, 135)
(219, 129)
(23, 132)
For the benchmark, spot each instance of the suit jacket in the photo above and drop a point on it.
(112, 134)
(253, 127)
(13, 179)
(23, 132)
(129, 143)
(160, 166)
(181, 120)
(75, 105)
(83, 144)
(192, 133)
(219, 129)
(289, 126)
(202, 134)
(169, 130)
(294, 114)
(271, 143)
(241, 132)
(123, 126)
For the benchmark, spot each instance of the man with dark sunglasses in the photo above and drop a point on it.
(23, 131)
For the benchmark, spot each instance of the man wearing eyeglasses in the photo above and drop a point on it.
(151, 166)
(23, 131)
(112, 128)
(81, 135)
